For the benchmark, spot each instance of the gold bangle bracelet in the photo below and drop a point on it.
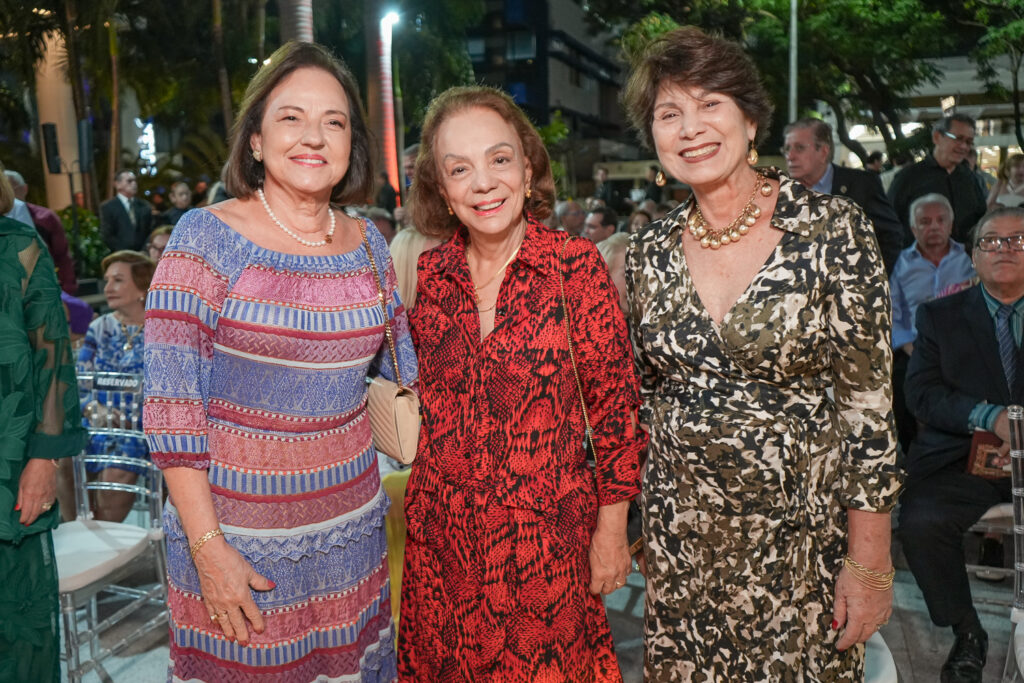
(212, 533)
(879, 581)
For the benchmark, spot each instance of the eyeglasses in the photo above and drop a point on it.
(958, 138)
(797, 147)
(994, 242)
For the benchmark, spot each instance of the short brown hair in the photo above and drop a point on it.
(242, 174)
(430, 213)
(688, 57)
(821, 131)
(142, 266)
(165, 229)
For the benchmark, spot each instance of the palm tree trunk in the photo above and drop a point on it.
(374, 105)
(114, 153)
(296, 20)
(90, 188)
(261, 30)
(222, 69)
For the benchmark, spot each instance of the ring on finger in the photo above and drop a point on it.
(214, 617)
(46, 506)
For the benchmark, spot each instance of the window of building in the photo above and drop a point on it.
(477, 49)
(521, 45)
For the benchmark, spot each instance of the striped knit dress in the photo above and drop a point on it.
(255, 371)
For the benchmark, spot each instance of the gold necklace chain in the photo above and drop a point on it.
(714, 238)
(511, 258)
(129, 342)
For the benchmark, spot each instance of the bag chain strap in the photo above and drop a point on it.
(383, 302)
(572, 353)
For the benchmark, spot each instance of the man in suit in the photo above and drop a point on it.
(125, 221)
(809, 150)
(947, 172)
(965, 369)
(51, 229)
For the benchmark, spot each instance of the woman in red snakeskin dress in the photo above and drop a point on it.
(512, 538)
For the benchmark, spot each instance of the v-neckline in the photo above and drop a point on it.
(758, 274)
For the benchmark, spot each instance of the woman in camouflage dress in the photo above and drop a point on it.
(760, 321)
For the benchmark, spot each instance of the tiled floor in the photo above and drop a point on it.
(918, 647)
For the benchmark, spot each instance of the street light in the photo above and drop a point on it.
(387, 101)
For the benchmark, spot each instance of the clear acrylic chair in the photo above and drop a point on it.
(1014, 667)
(94, 558)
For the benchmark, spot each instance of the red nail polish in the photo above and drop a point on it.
(17, 507)
(835, 624)
(272, 584)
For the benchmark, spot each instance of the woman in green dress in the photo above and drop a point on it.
(39, 423)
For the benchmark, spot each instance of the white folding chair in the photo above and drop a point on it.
(879, 665)
(95, 557)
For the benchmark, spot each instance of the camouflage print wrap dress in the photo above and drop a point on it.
(764, 431)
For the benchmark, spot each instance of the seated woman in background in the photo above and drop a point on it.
(157, 242)
(1009, 189)
(114, 344)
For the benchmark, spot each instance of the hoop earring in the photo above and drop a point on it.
(752, 155)
(660, 180)
(257, 155)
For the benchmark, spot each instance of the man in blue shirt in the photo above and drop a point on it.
(931, 264)
(966, 368)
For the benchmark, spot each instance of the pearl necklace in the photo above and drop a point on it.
(309, 243)
(712, 238)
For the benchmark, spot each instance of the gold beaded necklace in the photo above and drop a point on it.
(714, 238)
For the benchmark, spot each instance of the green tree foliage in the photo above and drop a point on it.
(861, 57)
(1003, 25)
(555, 136)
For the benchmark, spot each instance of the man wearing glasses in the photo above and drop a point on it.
(944, 171)
(808, 149)
(965, 369)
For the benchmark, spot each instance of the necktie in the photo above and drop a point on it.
(131, 212)
(1007, 346)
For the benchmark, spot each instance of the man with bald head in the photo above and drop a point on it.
(570, 216)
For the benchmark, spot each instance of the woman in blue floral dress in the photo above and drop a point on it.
(114, 343)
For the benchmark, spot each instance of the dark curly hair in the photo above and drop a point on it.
(689, 58)
(429, 210)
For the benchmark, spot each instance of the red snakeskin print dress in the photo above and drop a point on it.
(501, 504)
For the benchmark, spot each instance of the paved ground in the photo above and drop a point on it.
(918, 647)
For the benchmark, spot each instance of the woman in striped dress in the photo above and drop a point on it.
(262, 323)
